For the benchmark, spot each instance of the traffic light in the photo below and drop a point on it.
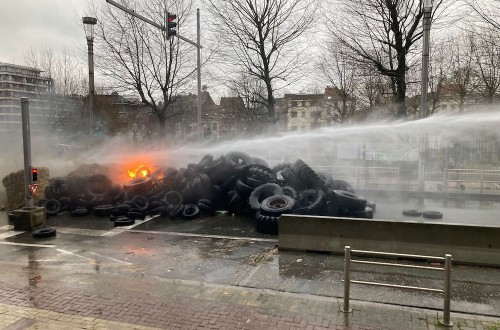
(34, 174)
(171, 25)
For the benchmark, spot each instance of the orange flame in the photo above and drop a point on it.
(141, 171)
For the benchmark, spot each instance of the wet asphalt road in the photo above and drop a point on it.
(89, 253)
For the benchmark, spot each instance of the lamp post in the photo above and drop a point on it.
(425, 54)
(426, 22)
(88, 23)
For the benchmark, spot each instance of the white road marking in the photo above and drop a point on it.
(73, 254)
(119, 230)
(273, 240)
(100, 255)
(27, 244)
(10, 234)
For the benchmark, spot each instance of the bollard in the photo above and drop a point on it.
(447, 293)
(347, 279)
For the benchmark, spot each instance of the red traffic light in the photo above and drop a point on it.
(171, 18)
(34, 174)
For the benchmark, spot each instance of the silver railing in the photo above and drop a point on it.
(447, 276)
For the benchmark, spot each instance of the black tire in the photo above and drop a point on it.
(190, 212)
(122, 208)
(311, 202)
(290, 191)
(206, 202)
(173, 198)
(371, 205)
(237, 158)
(136, 215)
(277, 205)
(206, 208)
(254, 183)
(366, 214)
(350, 201)
(157, 210)
(307, 175)
(291, 179)
(259, 161)
(235, 204)
(266, 224)
(60, 186)
(79, 212)
(176, 211)
(103, 210)
(262, 192)
(432, 215)
(243, 189)
(43, 232)
(261, 175)
(52, 207)
(123, 221)
(342, 185)
(412, 213)
(98, 185)
(140, 202)
(138, 185)
(207, 159)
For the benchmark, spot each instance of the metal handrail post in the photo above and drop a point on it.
(447, 293)
(347, 279)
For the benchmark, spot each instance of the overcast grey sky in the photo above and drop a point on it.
(38, 23)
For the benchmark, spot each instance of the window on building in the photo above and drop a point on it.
(315, 125)
(303, 114)
(308, 104)
(293, 128)
(293, 114)
(316, 114)
(299, 103)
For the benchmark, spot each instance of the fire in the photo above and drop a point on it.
(140, 171)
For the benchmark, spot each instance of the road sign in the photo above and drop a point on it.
(33, 188)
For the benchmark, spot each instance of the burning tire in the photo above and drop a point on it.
(277, 205)
(266, 224)
(262, 192)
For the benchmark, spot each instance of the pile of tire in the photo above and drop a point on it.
(235, 182)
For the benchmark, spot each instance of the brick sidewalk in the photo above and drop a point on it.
(194, 305)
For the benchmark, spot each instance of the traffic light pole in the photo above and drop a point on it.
(196, 44)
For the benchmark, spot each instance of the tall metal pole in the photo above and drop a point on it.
(423, 90)
(198, 53)
(347, 280)
(447, 291)
(25, 116)
(425, 59)
(90, 44)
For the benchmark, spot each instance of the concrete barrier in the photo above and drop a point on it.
(469, 244)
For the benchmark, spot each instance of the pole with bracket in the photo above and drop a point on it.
(196, 44)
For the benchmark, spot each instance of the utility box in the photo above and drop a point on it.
(29, 219)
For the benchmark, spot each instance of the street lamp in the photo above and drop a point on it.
(426, 22)
(88, 23)
(427, 8)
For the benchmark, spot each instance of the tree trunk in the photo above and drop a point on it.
(401, 94)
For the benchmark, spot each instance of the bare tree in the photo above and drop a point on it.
(342, 72)
(487, 10)
(382, 34)
(68, 78)
(263, 39)
(487, 57)
(140, 59)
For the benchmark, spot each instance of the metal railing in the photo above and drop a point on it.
(447, 278)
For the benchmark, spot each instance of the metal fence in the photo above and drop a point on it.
(449, 164)
(447, 276)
